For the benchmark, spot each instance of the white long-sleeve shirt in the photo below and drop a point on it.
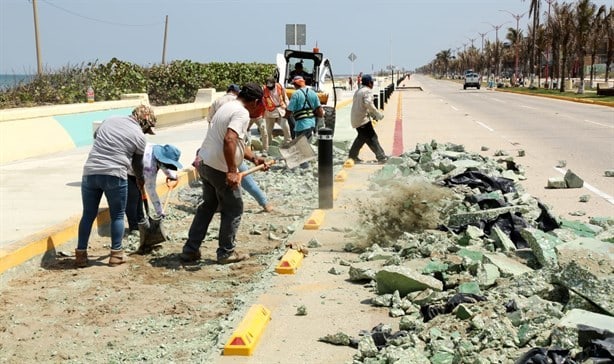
(363, 109)
(150, 173)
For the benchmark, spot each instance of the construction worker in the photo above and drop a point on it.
(231, 93)
(119, 144)
(363, 111)
(275, 104)
(221, 153)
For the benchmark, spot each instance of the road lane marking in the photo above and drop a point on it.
(528, 107)
(455, 109)
(496, 99)
(593, 189)
(596, 123)
(485, 126)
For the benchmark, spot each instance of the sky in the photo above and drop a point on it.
(404, 33)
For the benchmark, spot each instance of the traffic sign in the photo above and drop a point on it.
(352, 57)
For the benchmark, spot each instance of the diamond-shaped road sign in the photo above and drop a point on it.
(352, 57)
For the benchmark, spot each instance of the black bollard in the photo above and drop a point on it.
(382, 98)
(325, 168)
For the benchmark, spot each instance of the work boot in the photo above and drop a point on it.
(268, 208)
(234, 257)
(81, 258)
(117, 257)
(190, 257)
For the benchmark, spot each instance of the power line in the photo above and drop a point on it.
(98, 20)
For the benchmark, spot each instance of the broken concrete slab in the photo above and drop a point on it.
(581, 229)
(602, 221)
(565, 333)
(364, 271)
(466, 163)
(609, 173)
(405, 280)
(502, 240)
(556, 182)
(592, 249)
(476, 216)
(573, 180)
(434, 267)
(542, 245)
(463, 312)
(487, 275)
(507, 266)
(581, 280)
(469, 287)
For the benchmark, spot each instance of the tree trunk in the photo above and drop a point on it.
(592, 76)
(581, 63)
(563, 65)
(608, 60)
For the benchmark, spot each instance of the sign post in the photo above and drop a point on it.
(352, 57)
(296, 34)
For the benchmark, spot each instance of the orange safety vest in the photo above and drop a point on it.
(268, 99)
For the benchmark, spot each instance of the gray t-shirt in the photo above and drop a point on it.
(117, 140)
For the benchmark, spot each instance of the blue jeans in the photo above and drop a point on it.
(249, 184)
(115, 190)
(134, 205)
(216, 192)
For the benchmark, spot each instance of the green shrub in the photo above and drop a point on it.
(173, 83)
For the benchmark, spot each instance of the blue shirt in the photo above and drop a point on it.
(296, 104)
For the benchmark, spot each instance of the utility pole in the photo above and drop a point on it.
(482, 50)
(517, 17)
(39, 62)
(496, 28)
(164, 44)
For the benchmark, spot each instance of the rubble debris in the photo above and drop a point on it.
(577, 213)
(556, 182)
(573, 180)
(429, 312)
(335, 271)
(585, 283)
(405, 280)
(561, 164)
(609, 173)
(339, 338)
(542, 245)
(584, 198)
(301, 310)
(565, 333)
(521, 153)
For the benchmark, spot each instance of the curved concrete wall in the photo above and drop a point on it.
(37, 131)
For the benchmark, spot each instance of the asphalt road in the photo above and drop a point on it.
(548, 130)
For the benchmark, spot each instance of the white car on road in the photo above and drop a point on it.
(472, 80)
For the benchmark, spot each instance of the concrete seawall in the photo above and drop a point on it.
(38, 131)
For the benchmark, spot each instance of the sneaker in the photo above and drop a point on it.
(356, 160)
(382, 160)
(234, 257)
(189, 257)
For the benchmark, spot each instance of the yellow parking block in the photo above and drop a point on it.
(341, 176)
(245, 338)
(315, 220)
(290, 262)
(335, 193)
(349, 163)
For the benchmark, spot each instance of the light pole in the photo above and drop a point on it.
(517, 17)
(496, 28)
(482, 49)
(39, 62)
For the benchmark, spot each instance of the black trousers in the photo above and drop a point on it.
(367, 135)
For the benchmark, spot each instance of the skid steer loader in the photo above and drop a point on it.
(316, 72)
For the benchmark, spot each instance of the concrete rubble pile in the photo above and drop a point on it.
(500, 280)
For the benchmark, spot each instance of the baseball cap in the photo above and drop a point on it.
(146, 118)
(366, 79)
(251, 91)
(234, 88)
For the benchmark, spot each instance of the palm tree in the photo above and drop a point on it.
(443, 58)
(583, 16)
(533, 12)
(563, 16)
(596, 36)
(554, 35)
(609, 24)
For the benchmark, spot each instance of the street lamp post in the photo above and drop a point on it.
(482, 49)
(496, 28)
(548, 51)
(517, 17)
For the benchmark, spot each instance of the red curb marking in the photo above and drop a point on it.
(397, 144)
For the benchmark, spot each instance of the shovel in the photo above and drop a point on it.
(152, 232)
(299, 151)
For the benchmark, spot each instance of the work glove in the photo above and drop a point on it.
(379, 116)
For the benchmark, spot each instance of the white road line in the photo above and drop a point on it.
(495, 99)
(528, 107)
(596, 123)
(485, 126)
(455, 109)
(593, 189)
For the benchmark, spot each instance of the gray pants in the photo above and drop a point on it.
(216, 193)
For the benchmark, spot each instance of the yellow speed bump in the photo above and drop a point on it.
(315, 220)
(245, 338)
(349, 163)
(335, 192)
(341, 176)
(290, 262)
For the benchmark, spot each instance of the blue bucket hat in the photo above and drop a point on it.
(234, 88)
(167, 154)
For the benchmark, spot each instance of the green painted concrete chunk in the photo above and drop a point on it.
(542, 245)
(404, 280)
(581, 229)
(469, 287)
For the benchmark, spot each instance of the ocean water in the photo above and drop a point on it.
(10, 80)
